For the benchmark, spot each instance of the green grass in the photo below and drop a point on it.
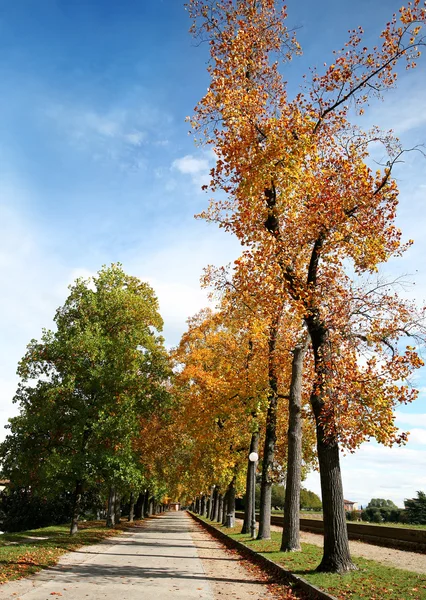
(388, 524)
(26, 552)
(307, 514)
(372, 581)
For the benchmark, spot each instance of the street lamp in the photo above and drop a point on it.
(253, 458)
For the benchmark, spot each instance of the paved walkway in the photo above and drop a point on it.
(159, 561)
(154, 562)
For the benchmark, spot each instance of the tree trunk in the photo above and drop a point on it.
(336, 557)
(117, 509)
(203, 505)
(151, 506)
(77, 507)
(254, 447)
(220, 509)
(111, 508)
(139, 506)
(231, 501)
(146, 504)
(210, 512)
(212, 503)
(291, 527)
(215, 503)
(131, 507)
(270, 438)
(225, 506)
(208, 507)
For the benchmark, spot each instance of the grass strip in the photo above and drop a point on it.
(26, 552)
(372, 581)
(319, 517)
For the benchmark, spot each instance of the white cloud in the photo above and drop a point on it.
(190, 165)
(379, 472)
(417, 436)
(33, 286)
(197, 168)
(174, 272)
(410, 419)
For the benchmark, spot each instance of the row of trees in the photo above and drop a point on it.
(304, 354)
(87, 390)
(296, 188)
(379, 510)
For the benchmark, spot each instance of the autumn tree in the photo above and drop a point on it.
(300, 193)
(253, 296)
(84, 386)
(217, 395)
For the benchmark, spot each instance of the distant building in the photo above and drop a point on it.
(174, 505)
(349, 506)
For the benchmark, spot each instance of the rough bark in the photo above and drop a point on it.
(110, 521)
(203, 506)
(76, 507)
(291, 527)
(270, 439)
(208, 507)
(131, 507)
(254, 447)
(336, 557)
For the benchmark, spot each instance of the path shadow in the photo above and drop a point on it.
(105, 573)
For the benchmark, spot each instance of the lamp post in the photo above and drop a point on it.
(253, 458)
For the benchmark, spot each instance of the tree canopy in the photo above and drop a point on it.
(85, 386)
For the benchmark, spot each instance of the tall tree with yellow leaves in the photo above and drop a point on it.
(300, 192)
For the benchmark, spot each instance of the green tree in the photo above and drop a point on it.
(416, 509)
(277, 496)
(381, 503)
(84, 388)
(309, 500)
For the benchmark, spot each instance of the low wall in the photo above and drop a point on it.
(403, 538)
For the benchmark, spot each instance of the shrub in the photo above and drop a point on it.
(353, 515)
(23, 510)
(416, 509)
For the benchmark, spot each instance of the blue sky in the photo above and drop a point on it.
(96, 166)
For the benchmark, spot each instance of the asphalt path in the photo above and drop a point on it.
(155, 562)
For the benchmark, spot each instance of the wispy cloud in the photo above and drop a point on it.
(121, 134)
(403, 108)
(411, 419)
